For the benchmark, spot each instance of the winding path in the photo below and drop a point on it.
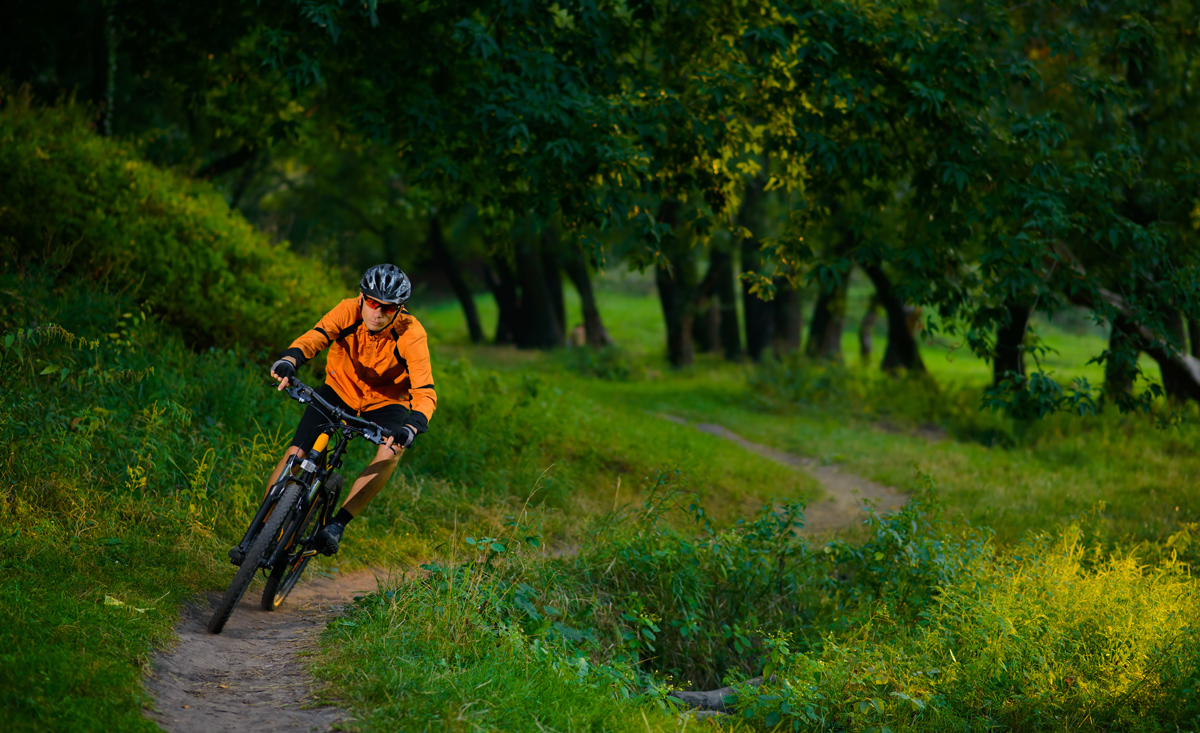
(845, 493)
(251, 676)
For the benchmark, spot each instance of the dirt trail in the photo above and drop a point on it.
(251, 676)
(845, 493)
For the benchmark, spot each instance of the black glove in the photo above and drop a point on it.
(284, 369)
(405, 436)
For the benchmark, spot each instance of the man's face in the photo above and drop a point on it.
(374, 314)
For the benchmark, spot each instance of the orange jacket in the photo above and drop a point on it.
(370, 370)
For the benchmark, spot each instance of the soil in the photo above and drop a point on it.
(845, 493)
(251, 676)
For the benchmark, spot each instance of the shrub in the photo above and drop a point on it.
(90, 208)
(1057, 634)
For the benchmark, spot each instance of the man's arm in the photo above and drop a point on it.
(323, 334)
(422, 398)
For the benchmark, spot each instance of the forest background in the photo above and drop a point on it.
(722, 208)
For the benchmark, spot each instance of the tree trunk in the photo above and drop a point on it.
(1184, 369)
(593, 328)
(828, 321)
(503, 284)
(553, 274)
(1121, 365)
(1010, 340)
(706, 326)
(726, 292)
(436, 244)
(675, 277)
(675, 287)
(903, 351)
(757, 313)
(1193, 328)
(865, 329)
(787, 320)
(537, 323)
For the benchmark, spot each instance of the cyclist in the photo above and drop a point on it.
(378, 368)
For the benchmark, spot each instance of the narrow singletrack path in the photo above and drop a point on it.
(251, 676)
(845, 492)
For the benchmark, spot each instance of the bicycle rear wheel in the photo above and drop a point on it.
(287, 571)
(259, 550)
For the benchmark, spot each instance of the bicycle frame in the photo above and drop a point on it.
(313, 480)
(327, 462)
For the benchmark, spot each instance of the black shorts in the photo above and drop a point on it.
(389, 416)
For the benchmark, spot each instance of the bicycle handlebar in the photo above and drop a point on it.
(304, 394)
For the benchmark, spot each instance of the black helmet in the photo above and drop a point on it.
(386, 283)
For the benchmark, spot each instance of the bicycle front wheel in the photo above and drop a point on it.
(287, 571)
(260, 550)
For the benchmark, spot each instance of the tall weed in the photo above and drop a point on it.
(1057, 634)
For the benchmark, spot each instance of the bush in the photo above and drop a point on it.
(428, 652)
(92, 209)
(1057, 634)
(130, 465)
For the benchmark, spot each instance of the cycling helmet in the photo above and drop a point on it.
(386, 283)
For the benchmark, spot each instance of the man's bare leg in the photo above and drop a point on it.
(372, 480)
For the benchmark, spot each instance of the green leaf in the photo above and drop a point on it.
(48, 370)
(497, 547)
(772, 718)
(470, 541)
(8, 341)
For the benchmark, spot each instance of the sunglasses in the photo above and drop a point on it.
(386, 308)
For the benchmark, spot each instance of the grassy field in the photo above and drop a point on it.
(1060, 550)
(109, 531)
(645, 530)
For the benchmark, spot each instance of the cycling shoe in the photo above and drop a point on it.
(328, 539)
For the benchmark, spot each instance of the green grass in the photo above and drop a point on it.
(447, 653)
(166, 449)
(163, 462)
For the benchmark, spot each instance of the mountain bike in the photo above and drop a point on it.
(280, 538)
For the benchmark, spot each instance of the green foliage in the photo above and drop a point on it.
(1055, 634)
(472, 643)
(923, 627)
(712, 594)
(122, 481)
(91, 209)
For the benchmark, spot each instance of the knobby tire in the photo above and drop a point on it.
(287, 571)
(260, 548)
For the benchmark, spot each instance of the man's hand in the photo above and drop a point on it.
(404, 438)
(283, 370)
